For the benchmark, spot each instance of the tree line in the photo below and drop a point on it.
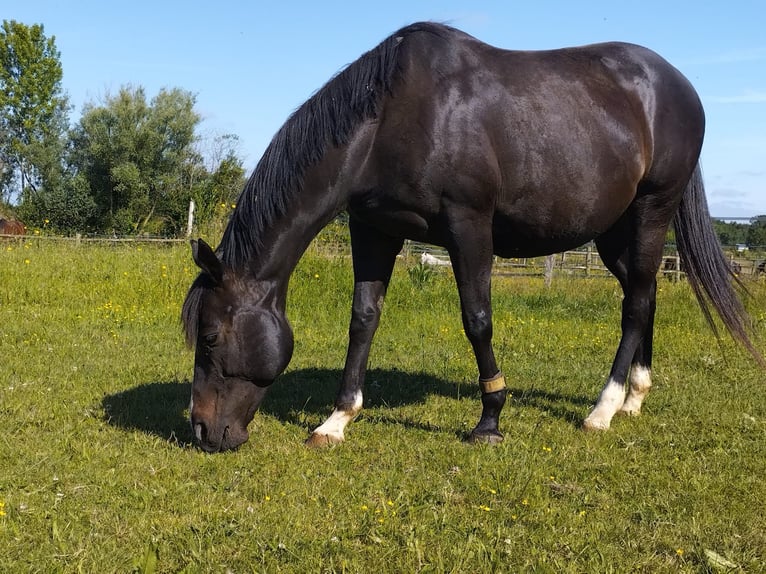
(131, 164)
(752, 234)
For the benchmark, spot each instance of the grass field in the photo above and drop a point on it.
(97, 473)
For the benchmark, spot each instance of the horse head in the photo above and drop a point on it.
(242, 343)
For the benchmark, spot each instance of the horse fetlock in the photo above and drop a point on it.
(632, 406)
(332, 430)
(640, 384)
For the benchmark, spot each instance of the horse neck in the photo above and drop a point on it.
(285, 241)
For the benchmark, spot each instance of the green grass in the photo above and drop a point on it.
(97, 473)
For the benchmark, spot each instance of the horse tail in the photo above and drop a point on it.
(707, 268)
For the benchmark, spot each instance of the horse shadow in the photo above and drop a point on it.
(304, 397)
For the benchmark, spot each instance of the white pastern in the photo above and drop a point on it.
(335, 424)
(640, 383)
(609, 402)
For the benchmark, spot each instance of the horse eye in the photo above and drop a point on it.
(210, 339)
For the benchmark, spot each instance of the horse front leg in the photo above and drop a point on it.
(472, 262)
(374, 255)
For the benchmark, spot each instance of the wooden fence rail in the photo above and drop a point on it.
(583, 262)
(80, 239)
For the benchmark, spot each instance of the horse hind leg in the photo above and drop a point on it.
(640, 378)
(639, 301)
(639, 287)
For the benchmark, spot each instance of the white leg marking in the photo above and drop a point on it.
(640, 383)
(609, 402)
(336, 423)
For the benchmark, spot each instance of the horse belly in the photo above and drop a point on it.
(517, 241)
(542, 225)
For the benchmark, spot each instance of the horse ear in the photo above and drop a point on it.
(207, 260)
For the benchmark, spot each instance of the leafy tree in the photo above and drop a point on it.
(138, 159)
(216, 194)
(67, 208)
(33, 110)
(756, 233)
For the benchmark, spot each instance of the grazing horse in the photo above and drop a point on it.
(440, 138)
(12, 227)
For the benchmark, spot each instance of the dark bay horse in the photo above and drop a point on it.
(12, 227)
(440, 138)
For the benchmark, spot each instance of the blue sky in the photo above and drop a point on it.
(251, 64)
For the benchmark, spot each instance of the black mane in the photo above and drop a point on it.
(328, 118)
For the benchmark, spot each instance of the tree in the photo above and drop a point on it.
(67, 208)
(33, 110)
(756, 233)
(215, 195)
(138, 159)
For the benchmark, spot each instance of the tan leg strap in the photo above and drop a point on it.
(496, 383)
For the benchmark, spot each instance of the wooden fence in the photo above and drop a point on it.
(79, 239)
(586, 262)
(583, 262)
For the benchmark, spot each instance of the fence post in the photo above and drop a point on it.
(548, 274)
(190, 219)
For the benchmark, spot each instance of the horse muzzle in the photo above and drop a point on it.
(218, 438)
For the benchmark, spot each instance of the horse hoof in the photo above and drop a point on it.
(322, 440)
(591, 425)
(484, 438)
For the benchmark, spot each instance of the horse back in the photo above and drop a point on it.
(555, 143)
(547, 102)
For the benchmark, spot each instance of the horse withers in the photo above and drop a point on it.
(437, 137)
